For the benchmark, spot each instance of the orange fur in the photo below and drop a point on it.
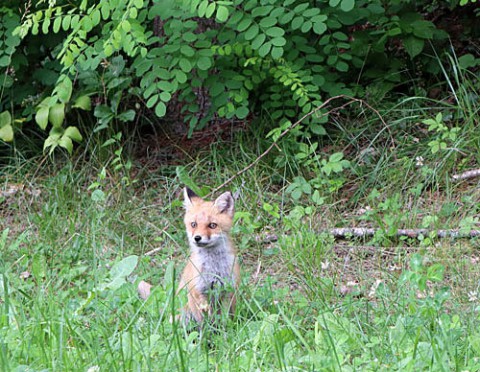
(213, 265)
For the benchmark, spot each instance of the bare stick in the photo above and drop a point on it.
(465, 175)
(297, 123)
(363, 232)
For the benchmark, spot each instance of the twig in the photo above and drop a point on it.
(465, 175)
(297, 123)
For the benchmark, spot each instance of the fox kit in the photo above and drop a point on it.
(212, 273)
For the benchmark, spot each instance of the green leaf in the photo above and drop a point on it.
(83, 102)
(319, 28)
(413, 46)
(252, 32)
(204, 63)
(265, 49)
(6, 133)
(39, 266)
(241, 112)
(185, 65)
(275, 32)
(268, 22)
(222, 13)
(57, 24)
(244, 24)
(277, 52)
(347, 5)
(64, 89)
(297, 22)
(160, 109)
(5, 118)
(121, 270)
(56, 114)
(66, 143)
(152, 100)
(278, 41)
(41, 117)
(333, 3)
(258, 41)
(185, 179)
(73, 133)
(210, 10)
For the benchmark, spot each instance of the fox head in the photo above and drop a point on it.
(208, 223)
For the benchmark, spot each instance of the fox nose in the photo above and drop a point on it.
(197, 238)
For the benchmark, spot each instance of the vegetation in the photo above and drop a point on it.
(396, 94)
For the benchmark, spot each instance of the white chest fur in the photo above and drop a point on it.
(215, 267)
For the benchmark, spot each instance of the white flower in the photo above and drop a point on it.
(472, 296)
(419, 161)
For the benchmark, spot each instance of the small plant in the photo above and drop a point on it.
(445, 136)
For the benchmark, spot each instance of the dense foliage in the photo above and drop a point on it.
(222, 59)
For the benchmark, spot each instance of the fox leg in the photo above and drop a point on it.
(197, 306)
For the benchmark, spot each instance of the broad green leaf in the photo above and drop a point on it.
(333, 3)
(56, 115)
(347, 5)
(121, 270)
(66, 143)
(64, 89)
(6, 133)
(73, 133)
(413, 46)
(242, 112)
(83, 102)
(185, 65)
(204, 63)
(222, 13)
(5, 118)
(41, 117)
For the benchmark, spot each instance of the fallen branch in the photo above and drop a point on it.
(465, 175)
(363, 232)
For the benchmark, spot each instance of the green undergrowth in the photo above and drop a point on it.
(77, 239)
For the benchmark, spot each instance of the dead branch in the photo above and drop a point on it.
(363, 232)
(465, 175)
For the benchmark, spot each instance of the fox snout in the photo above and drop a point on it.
(203, 240)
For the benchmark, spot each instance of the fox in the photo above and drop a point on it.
(212, 273)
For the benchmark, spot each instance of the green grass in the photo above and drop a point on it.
(77, 239)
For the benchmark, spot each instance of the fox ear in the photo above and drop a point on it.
(225, 203)
(188, 195)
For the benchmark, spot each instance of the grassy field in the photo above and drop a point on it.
(76, 239)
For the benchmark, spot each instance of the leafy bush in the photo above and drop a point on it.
(218, 58)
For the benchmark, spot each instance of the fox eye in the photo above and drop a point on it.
(212, 225)
(193, 224)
